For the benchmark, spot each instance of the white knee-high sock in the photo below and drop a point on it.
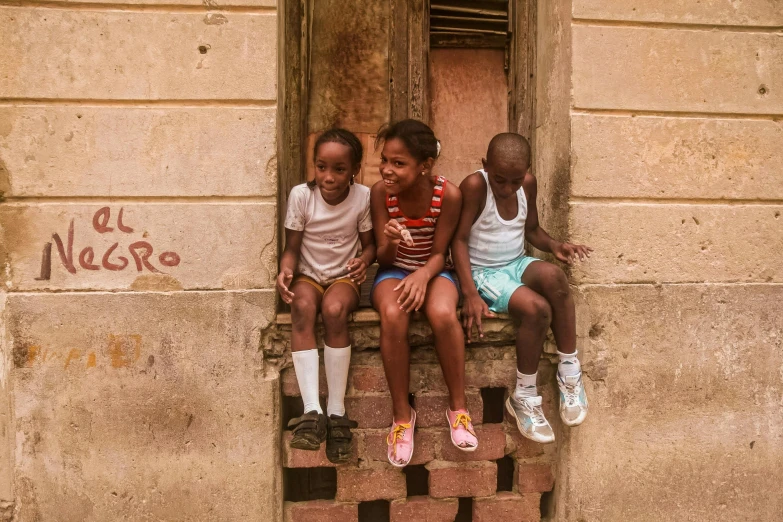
(526, 385)
(306, 367)
(336, 363)
(569, 364)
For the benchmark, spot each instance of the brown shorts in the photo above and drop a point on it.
(324, 288)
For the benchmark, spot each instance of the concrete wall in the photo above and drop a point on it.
(675, 181)
(132, 385)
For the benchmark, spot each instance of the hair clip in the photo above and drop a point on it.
(437, 147)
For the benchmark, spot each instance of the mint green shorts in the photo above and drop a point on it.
(495, 285)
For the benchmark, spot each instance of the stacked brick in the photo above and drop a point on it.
(451, 477)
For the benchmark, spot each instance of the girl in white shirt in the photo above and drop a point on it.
(320, 270)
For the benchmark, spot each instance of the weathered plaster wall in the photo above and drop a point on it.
(137, 232)
(468, 106)
(675, 181)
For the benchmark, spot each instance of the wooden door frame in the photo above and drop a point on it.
(522, 68)
(408, 75)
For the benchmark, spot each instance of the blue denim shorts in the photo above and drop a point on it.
(495, 285)
(401, 273)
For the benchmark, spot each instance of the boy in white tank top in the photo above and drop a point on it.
(498, 215)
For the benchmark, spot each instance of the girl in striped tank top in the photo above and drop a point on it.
(414, 217)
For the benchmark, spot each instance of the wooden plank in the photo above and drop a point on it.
(292, 106)
(418, 60)
(472, 41)
(523, 61)
(398, 60)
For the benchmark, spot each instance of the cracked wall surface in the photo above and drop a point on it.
(138, 213)
(674, 122)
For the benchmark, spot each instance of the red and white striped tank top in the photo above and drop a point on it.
(422, 230)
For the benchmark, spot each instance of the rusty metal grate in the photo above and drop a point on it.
(464, 23)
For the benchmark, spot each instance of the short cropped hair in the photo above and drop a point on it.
(509, 147)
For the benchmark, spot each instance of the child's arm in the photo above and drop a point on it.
(537, 236)
(288, 262)
(357, 267)
(474, 193)
(414, 287)
(387, 234)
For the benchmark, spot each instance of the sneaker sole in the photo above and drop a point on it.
(540, 440)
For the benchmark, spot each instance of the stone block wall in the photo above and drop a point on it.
(138, 195)
(674, 179)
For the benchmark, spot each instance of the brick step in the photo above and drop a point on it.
(430, 444)
(366, 374)
(504, 506)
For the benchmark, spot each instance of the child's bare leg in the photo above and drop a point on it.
(304, 309)
(550, 281)
(395, 350)
(339, 301)
(533, 314)
(440, 307)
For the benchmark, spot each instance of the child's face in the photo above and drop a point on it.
(334, 171)
(399, 169)
(504, 178)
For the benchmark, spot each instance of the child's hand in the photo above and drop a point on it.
(473, 309)
(568, 252)
(393, 231)
(357, 270)
(284, 279)
(414, 289)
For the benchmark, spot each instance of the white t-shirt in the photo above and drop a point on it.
(331, 232)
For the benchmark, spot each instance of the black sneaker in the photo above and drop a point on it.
(309, 430)
(338, 438)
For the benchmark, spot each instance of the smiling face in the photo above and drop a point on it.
(504, 177)
(334, 171)
(399, 169)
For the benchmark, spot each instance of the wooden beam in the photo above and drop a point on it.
(418, 60)
(291, 103)
(398, 60)
(470, 41)
(522, 68)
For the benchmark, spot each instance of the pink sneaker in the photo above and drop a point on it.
(462, 434)
(400, 441)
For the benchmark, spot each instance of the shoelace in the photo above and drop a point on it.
(536, 415)
(397, 433)
(464, 419)
(571, 394)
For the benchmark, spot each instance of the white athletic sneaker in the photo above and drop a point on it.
(573, 400)
(530, 418)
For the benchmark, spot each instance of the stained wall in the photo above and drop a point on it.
(137, 223)
(674, 179)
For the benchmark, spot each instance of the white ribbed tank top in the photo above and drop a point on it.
(495, 242)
